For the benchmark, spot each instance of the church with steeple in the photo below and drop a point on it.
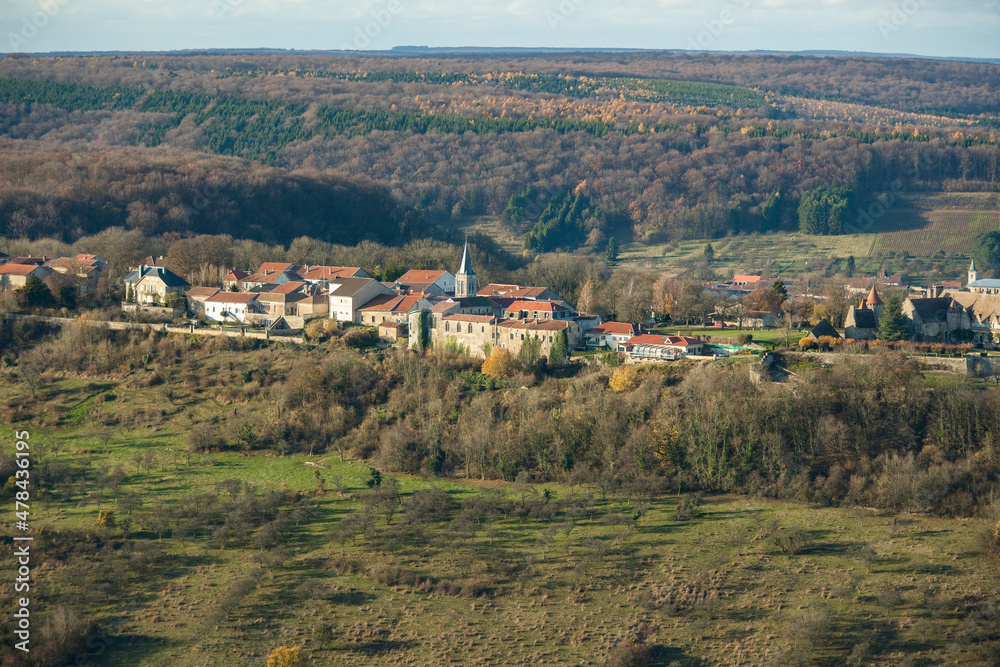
(466, 283)
(984, 286)
(477, 319)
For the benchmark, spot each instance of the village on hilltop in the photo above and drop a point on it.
(437, 308)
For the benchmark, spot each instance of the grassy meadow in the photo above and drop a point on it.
(924, 236)
(488, 573)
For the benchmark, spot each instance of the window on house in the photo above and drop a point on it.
(447, 326)
(470, 328)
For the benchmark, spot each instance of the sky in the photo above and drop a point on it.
(945, 28)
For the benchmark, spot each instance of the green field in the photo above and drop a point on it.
(759, 335)
(926, 233)
(553, 574)
(932, 239)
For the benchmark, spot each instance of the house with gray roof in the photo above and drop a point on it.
(154, 285)
(824, 328)
(935, 320)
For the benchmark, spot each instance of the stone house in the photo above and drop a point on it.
(347, 295)
(14, 276)
(438, 283)
(196, 297)
(608, 335)
(231, 307)
(155, 285)
(84, 271)
(391, 308)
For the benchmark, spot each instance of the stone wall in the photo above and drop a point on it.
(159, 312)
(978, 366)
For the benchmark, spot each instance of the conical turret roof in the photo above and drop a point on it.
(466, 267)
(873, 297)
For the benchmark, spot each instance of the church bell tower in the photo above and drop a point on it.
(466, 283)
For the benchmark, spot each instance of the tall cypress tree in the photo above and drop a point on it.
(892, 324)
(559, 350)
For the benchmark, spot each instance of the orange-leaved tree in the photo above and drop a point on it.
(625, 378)
(499, 365)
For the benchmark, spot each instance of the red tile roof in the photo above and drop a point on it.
(534, 325)
(235, 274)
(12, 269)
(550, 325)
(329, 272)
(513, 291)
(391, 303)
(288, 288)
(416, 276)
(671, 341)
(614, 328)
(231, 297)
(276, 267)
(496, 288)
(479, 319)
(202, 292)
(873, 298)
(515, 324)
(444, 306)
(538, 306)
(527, 292)
(419, 288)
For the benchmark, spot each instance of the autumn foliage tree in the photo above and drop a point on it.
(625, 379)
(499, 365)
(285, 657)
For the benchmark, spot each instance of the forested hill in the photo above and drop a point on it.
(66, 196)
(668, 147)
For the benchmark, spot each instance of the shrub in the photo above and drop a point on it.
(625, 379)
(791, 540)
(204, 438)
(285, 657)
(316, 330)
(687, 508)
(105, 519)
(612, 359)
(627, 654)
(633, 651)
(361, 338)
(989, 541)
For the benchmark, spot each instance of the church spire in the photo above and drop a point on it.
(973, 274)
(466, 283)
(466, 267)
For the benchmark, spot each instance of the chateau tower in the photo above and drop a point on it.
(874, 302)
(466, 283)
